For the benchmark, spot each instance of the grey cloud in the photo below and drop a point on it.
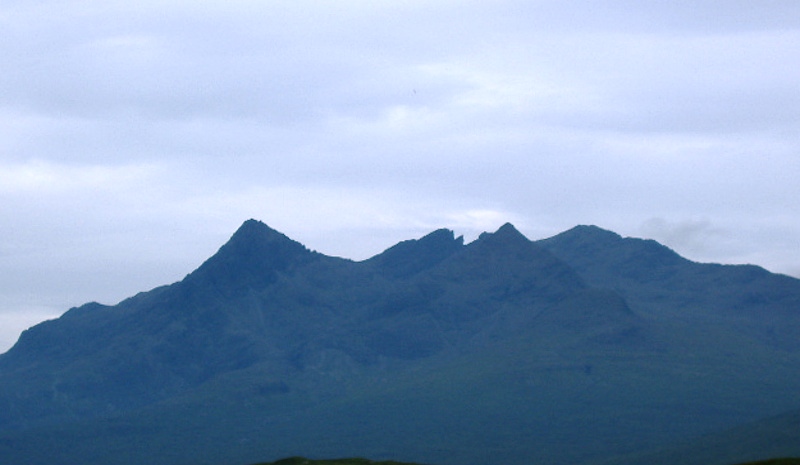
(691, 236)
(130, 129)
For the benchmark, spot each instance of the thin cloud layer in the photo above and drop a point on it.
(137, 137)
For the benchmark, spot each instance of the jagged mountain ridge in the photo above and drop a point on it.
(264, 297)
(461, 335)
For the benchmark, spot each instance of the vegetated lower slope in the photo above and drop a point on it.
(746, 300)
(754, 442)
(779, 461)
(435, 351)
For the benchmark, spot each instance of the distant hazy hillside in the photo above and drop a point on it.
(582, 348)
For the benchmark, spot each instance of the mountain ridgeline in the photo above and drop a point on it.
(585, 347)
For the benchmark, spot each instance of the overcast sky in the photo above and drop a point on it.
(135, 137)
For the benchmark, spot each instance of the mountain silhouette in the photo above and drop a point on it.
(412, 256)
(576, 348)
(251, 260)
(657, 281)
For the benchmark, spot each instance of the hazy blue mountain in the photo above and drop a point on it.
(659, 282)
(579, 348)
(412, 256)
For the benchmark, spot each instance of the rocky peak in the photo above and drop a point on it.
(251, 258)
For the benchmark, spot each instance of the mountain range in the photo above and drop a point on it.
(583, 348)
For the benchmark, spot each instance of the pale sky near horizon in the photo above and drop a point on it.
(135, 137)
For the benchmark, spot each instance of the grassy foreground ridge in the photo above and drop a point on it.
(350, 461)
(782, 461)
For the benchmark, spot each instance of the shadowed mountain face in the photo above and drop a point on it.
(658, 282)
(647, 271)
(575, 348)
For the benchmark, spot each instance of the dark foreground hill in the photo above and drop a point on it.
(350, 461)
(576, 349)
(359, 461)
